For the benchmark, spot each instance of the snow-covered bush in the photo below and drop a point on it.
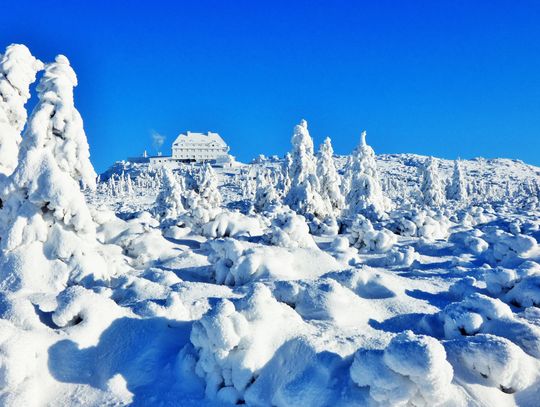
(139, 238)
(290, 230)
(479, 313)
(411, 370)
(507, 248)
(426, 224)
(494, 361)
(364, 236)
(518, 286)
(365, 194)
(236, 262)
(235, 340)
(470, 240)
(403, 256)
(18, 70)
(233, 224)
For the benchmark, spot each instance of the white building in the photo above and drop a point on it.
(193, 147)
(199, 147)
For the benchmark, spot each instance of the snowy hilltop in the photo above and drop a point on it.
(307, 280)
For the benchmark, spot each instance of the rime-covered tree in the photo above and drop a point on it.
(208, 187)
(365, 195)
(303, 196)
(458, 188)
(18, 70)
(431, 186)
(329, 179)
(48, 235)
(266, 195)
(285, 184)
(168, 203)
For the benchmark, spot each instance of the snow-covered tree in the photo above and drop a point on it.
(458, 189)
(303, 196)
(285, 184)
(129, 185)
(48, 234)
(431, 186)
(208, 187)
(169, 201)
(266, 195)
(365, 195)
(18, 70)
(329, 179)
(347, 176)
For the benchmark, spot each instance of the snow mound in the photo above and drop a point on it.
(290, 230)
(232, 224)
(494, 361)
(238, 262)
(479, 313)
(364, 236)
(412, 370)
(235, 340)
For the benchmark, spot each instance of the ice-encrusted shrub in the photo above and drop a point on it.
(520, 286)
(470, 240)
(426, 224)
(139, 237)
(479, 313)
(363, 235)
(507, 248)
(403, 256)
(494, 361)
(291, 231)
(234, 340)
(232, 224)
(411, 370)
(236, 262)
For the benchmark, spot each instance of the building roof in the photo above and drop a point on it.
(199, 138)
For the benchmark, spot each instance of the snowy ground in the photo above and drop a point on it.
(242, 319)
(395, 281)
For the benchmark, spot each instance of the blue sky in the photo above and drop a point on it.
(445, 78)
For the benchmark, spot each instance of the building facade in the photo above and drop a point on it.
(199, 147)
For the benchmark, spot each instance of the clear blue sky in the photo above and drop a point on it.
(445, 78)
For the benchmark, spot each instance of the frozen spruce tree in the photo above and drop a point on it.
(266, 196)
(365, 195)
(18, 70)
(303, 196)
(457, 189)
(431, 185)
(329, 179)
(169, 201)
(48, 235)
(285, 184)
(208, 187)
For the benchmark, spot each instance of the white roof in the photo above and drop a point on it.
(199, 138)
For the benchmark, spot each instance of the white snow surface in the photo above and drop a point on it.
(187, 287)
